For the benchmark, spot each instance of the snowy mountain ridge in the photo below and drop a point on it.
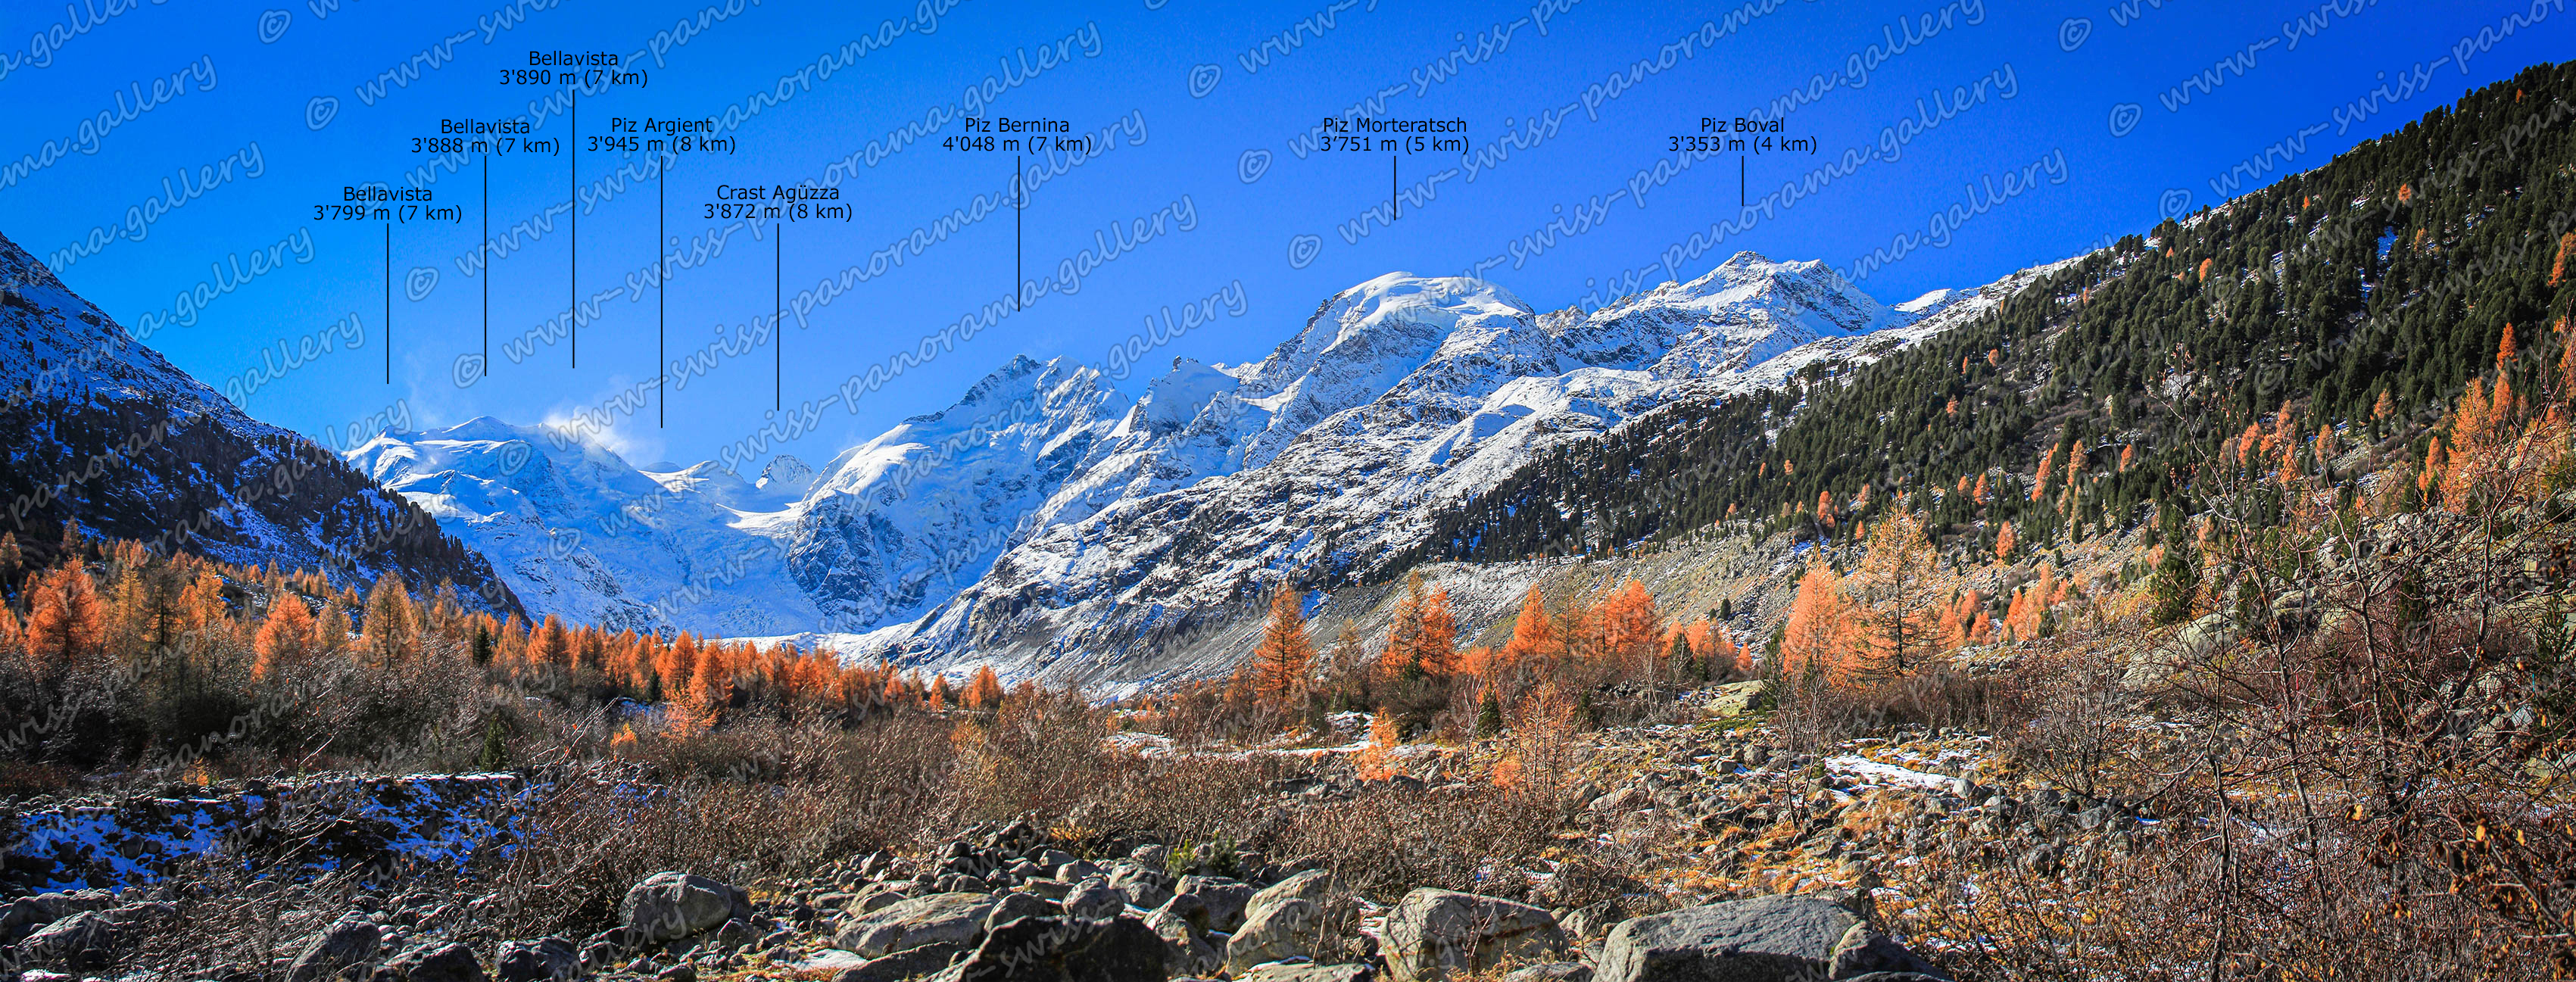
(1054, 525)
(1328, 456)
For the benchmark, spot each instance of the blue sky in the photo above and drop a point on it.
(2054, 127)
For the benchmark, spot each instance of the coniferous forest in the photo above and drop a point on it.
(2358, 298)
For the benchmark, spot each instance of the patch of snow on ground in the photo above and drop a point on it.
(829, 960)
(1878, 773)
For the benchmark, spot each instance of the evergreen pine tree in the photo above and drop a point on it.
(2177, 582)
(496, 748)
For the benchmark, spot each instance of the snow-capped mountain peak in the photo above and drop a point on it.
(905, 519)
(579, 532)
(1049, 522)
(1400, 394)
(786, 476)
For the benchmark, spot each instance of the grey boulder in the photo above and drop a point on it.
(941, 918)
(1144, 888)
(537, 961)
(1225, 899)
(1307, 972)
(878, 896)
(83, 940)
(1432, 933)
(1551, 972)
(909, 963)
(671, 905)
(1280, 931)
(1766, 939)
(1183, 924)
(1095, 900)
(26, 915)
(348, 941)
(1010, 907)
(1312, 886)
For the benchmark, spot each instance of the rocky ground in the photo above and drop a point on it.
(1736, 857)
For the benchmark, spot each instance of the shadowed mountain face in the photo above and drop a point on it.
(99, 429)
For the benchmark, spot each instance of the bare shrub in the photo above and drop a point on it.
(2081, 732)
(1815, 714)
(1388, 839)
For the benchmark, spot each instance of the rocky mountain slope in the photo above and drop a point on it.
(903, 521)
(99, 429)
(1054, 525)
(1323, 461)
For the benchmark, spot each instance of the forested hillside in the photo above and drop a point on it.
(97, 428)
(2338, 309)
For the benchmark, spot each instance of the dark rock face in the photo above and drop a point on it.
(540, 960)
(438, 963)
(190, 472)
(83, 940)
(1068, 949)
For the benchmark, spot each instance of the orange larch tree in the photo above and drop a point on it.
(1629, 629)
(1817, 637)
(1285, 657)
(1435, 646)
(550, 646)
(391, 621)
(285, 637)
(1422, 641)
(66, 622)
(984, 688)
(1533, 636)
(1901, 593)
